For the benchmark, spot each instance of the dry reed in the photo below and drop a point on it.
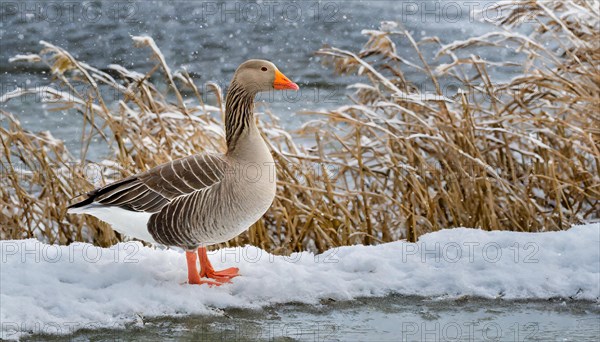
(395, 162)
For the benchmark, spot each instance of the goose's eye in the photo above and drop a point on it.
(263, 68)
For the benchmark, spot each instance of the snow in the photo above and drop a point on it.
(72, 287)
(149, 41)
(134, 75)
(30, 58)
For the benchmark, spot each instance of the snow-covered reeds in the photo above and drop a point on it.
(395, 162)
(518, 154)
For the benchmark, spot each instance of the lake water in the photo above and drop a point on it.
(210, 39)
(394, 318)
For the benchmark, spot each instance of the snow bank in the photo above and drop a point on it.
(59, 289)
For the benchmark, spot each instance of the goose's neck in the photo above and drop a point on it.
(239, 115)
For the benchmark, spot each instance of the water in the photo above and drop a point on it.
(394, 318)
(210, 39)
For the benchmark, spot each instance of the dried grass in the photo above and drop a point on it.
(393, 163)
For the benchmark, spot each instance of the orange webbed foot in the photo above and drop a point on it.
(193, 275)
(216, 278)
(207, 271)
(203, 281)
(221, 276)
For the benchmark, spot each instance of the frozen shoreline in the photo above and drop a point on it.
(65, 288)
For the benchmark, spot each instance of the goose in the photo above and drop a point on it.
(202, 199)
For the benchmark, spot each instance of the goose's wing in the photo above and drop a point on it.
(150, 191)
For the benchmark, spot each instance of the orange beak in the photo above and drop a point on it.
(281, 82)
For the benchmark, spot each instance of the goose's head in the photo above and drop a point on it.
(256, 75)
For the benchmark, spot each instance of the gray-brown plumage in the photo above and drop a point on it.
(201, 199)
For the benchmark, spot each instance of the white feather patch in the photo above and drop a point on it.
(126, 222)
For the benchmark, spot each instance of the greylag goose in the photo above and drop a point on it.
(203, 199)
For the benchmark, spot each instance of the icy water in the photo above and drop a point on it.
(211, 38)
(394, 318)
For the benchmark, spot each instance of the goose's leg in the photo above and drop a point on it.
(207, 271)
(193, 275)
